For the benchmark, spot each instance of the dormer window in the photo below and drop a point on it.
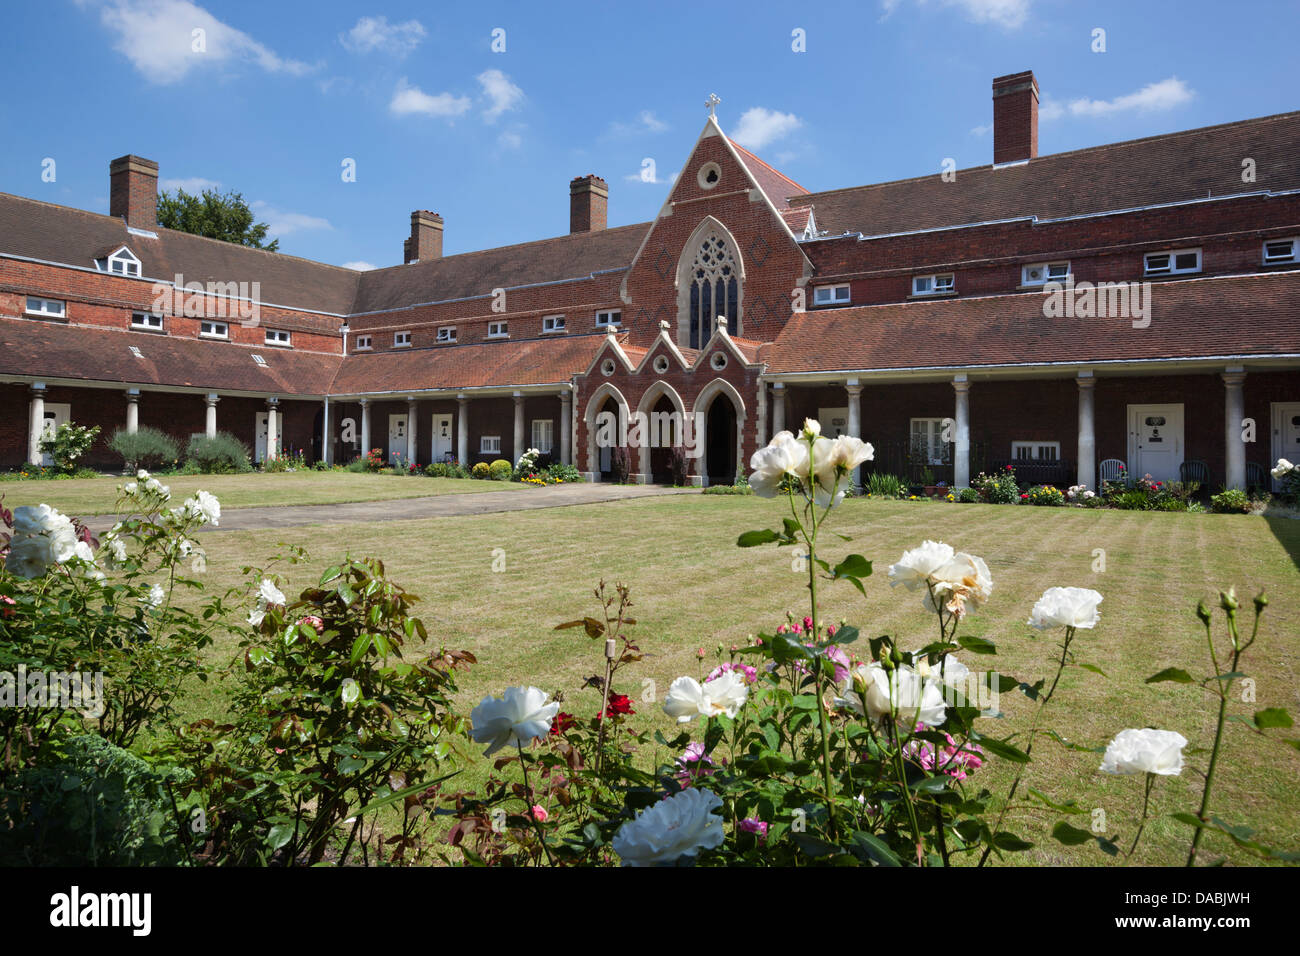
(402, 340)
(1041, 273)
(214, 330)
(122, 262)
(1172, 263)
(553, 323)
(498, 330)
(606, 319)
(364, 343)
(831, 294)
(447, 333)
(278, 337)
(1279, 251)
(146, 321)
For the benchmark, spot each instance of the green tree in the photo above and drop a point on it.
(225, 217)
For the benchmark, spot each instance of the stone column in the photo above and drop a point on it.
(35, 422)
(132, 410)
(961, 434)
(855, 420)
(518, 447)
(412, 439)
(1234, 410)
(365, 427)
(210, 422)
(778, 407)
(326, 438)
(566, 431)
(272, 428)
(1087, 463)
(462, 430)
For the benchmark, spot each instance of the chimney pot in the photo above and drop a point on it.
(426, 237)
(588, 204)
(1015, 117)
(133, 191)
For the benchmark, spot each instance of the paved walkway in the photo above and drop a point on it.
(439, 506)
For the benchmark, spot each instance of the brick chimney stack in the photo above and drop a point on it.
(133, 191)
(588, 204)
(426, 237)
(1015, 117)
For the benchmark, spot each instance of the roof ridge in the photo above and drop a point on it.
(809, 196)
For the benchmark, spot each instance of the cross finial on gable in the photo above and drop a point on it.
(712, 104)
(722, 323)
(663, 324)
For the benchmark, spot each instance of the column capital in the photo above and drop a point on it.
(853, 389)
(778, 386)
(463, 400)
(566, 397)
(37, 389)
(211, 398)
(1086, 383)
(133, 395)
(960, 385)
(1234, 378)
(272, 402)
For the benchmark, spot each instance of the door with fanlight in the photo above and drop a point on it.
(1286, 435)
(396, 437)
(442, 439)
(55, 415)
(1156, 441)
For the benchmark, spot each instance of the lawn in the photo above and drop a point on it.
(694, 588)
(90, 496)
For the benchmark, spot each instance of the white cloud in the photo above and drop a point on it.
(281, 223)
(988, 128)
(194, 185)
(166, 39)
(1166, 94)
(759, 127)
(510, 139)
(1009, 14)
(411, 99)
(645, 122)
(360, 265)
(377, 35)
(502, 94)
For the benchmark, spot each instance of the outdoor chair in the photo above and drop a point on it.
(1112, 469)
(1197, 471)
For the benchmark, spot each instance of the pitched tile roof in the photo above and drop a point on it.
(41, 230)
(86, 353)
(778, 186)
(478, 273)
(1187, 321)
(524, 362)
(1192, 164)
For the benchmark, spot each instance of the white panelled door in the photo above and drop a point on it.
(834, 421)
(396, 437)
(55, 415)
(1155, 441)
(1286, 435)
(263, 426)
(442, 437)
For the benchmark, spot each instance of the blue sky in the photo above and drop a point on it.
(436, 119)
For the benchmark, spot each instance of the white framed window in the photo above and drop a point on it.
(124, 263)
(543, 434)
(214, 330)
(401, 340)
(928, 444)
(1281, 250)
(933, 285)
(364, 343)
(831, 294)
(48, 307)
(553, 323)
(489, 444)
(608, 317)
(278, 337)
(146, 321)
(1040, 273)
(447, 333)
(1036, 450)
(1175, 262)
(498, 330)
(259, 360)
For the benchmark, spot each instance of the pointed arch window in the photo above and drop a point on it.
(714, 288)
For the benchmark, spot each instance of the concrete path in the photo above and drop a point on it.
(439, 506)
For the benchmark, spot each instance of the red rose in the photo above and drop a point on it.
(618, 704)
(562, 723)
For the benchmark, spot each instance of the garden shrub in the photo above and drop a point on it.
(145, 448)
(89, 802)
(500, 470)
(222, 454)
(357, 466)
(737, 489)
(527, 464)
(999, 488)
(68, 443)
(881, 485)
(374, 460)
(1230, 501)
(1044, 495)
(967, 496)
(560, 473)
(481, 470)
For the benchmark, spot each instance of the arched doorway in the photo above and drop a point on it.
(606, 401)
(724, 427)
(668, 439)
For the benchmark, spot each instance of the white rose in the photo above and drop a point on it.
(142, 475)
(679, 826)
(203, 505)
(687, 698)
(948, 671)
(28, 556)
(268, 593)
(82, 551)
(1145, 751)
(520, 715)
(873, 692)
(130, 488)
(963, 584)
(1066, 607)
(812, 427)
(30, 519)
(915, 567)
(155, 596)
(784, 455)
(1282, 469)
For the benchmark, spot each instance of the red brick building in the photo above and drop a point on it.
(1135, 303)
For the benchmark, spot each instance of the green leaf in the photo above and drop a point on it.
(1272, 717)
(1068, 807)
(1011, 843)
(1070, 836)
(869, 847)
(751, 539)
(280, 835)
(1170, 674)
(1002, 749)
(854, 566)
(1095, 669)
(402, 794)
(977, 645)
(814, 846)
(845, 635)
